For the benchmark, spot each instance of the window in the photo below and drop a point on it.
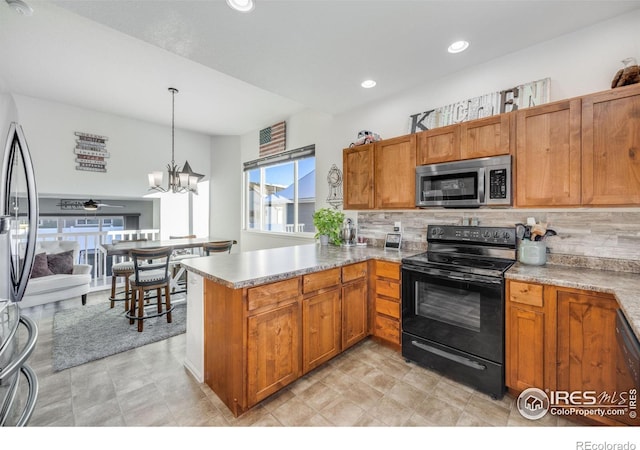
(280, 192)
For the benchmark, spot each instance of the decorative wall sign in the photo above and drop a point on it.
(91, 152)
(518, 97)
(72, 205)
(273, 139)
(334, 178)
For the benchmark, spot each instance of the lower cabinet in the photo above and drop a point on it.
(257, 340)
(273, 350)
(564, 340)
(386, 319)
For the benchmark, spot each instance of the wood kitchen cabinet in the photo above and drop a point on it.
(561, 339)
(358, 173)
(611, 147)
(355, 307)
(490, 136)
(321, 318)
(395, 172)
(387, 305)
(273, 338)
(438, 145)
(548, 148)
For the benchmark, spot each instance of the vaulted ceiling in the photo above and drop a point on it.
(238, 72)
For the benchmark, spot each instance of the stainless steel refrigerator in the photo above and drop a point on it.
(18, 232)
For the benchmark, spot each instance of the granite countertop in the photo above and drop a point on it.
(246, 269)
(624, 286)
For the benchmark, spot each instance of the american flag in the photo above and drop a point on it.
(272, 139)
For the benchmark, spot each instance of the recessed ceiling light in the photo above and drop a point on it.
(458, 46)
(21, 7)
(368, 84)
(241, 5)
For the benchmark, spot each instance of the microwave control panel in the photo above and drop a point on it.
(498, 184)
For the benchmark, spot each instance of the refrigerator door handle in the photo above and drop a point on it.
(16, 147)
(20, 360)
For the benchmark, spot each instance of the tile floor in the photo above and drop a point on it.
(368, 385)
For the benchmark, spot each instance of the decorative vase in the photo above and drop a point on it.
(324, 239)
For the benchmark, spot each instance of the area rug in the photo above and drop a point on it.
(93, 332)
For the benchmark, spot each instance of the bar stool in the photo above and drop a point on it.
(218, 246)
(122, 269)
(151, 271)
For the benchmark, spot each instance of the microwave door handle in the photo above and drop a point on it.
(481, 185)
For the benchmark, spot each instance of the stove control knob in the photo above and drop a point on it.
(486, 234)
(496, 234)
(437, 232)
(506, 235)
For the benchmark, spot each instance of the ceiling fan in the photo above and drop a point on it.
(91, 205)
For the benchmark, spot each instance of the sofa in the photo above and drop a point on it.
(46, 286)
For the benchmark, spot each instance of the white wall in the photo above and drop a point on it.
(8, 114)
(578, 63)
(136, 148)
(225, 190)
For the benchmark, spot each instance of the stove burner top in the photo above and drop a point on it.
(494, 267)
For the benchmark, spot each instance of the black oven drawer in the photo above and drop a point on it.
(484, 375)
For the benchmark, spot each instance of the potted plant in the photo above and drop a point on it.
(328, 223)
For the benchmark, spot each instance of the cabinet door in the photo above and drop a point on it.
(587, 345)
(273, 351)
(395, 172)
(548, 155)
(320, 328)
(525, 336)
(611, 147)
(357, 163)
(485, 137)
(525, 349)
(438, 145)
(354, 313)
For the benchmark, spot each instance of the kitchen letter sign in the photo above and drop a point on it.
(272, 139)
(518, 97)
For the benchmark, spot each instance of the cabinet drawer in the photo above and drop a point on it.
(272, 293)
(319, 280)
(388, 329)
(386, 269)
(388, 307)
(525, 293)
(354, 271)
(388, 288)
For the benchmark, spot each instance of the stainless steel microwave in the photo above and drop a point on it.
(465, 184)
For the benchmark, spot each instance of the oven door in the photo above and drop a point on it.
(457, 310)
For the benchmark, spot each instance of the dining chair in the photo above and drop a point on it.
(151, 271)
(122, 269)
(218, 246)
(179, 255)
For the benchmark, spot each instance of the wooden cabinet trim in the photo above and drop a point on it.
(526, 293)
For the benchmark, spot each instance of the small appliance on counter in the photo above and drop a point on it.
(348, 233)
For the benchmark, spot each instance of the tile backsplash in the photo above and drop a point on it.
(607, 239)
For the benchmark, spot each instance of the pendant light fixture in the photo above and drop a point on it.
(180, 181)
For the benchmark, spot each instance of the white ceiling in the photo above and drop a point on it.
(239, 72)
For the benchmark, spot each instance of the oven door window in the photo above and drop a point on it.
(468, 316)
(459, 186)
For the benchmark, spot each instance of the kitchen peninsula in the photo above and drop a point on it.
(259, 320)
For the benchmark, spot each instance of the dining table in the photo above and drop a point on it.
(122, 249)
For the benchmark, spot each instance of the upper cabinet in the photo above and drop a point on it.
(490, 136)
(467, 140)
(395, 172)
(548, 155)
(357, 163)
(380, 175)
(611, 147)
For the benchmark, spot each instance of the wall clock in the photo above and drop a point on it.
(334, 178)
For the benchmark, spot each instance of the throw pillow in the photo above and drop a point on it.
(40, 266)
(61, 263)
